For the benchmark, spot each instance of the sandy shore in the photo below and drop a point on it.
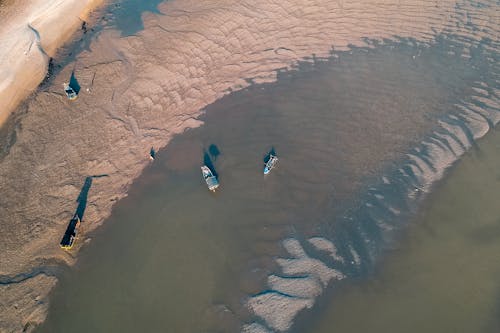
(30, 33)
(139, 91)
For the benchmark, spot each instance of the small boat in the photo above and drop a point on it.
(152, 153)
(271, 164)
(70, 92)
(70, 235)
(210, 178)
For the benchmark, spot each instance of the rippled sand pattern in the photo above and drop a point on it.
(362, 231)
(139, 91)
(443, 275)
(331, 217)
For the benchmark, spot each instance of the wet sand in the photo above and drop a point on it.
(139, 91)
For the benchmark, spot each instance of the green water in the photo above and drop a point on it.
(444, 276)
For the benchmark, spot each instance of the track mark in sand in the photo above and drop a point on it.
(21, 277)
(38, 42)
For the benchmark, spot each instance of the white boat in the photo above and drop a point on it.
(271, 164)
(70, 92)
(210, 178)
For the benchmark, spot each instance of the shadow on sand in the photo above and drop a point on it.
(82, 197)
(73, 83)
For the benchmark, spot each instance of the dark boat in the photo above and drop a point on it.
(70, 235)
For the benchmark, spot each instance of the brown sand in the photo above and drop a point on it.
(30, 33)
(139, 91)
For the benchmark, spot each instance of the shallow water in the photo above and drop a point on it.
(444, 275)
(126, 15)
(174, 256)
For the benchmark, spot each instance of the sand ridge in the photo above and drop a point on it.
(139, 91)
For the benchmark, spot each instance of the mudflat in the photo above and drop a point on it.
(139, 91)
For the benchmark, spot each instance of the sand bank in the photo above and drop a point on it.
(139, 91)
(30, 33)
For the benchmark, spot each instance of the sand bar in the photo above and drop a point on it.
(143, 89)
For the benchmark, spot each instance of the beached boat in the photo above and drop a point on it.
(70, 234)
(210, 178)
(271, 164)
(70, 92)
(152, 154)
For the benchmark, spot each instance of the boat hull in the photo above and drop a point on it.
(210, 178)
(273, 160)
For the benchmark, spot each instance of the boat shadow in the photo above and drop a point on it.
(207, 160)
(68, 237)
(214, 151)
(73, 83)
(83, 196)
(84, 192)
(267, 157)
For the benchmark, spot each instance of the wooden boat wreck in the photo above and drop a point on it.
(70, 235)
(70, 92)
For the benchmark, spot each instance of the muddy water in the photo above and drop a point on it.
(175, 257)
(444, 275)
(126, 15)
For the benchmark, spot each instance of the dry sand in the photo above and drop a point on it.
(139, 91)
(30, 33)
